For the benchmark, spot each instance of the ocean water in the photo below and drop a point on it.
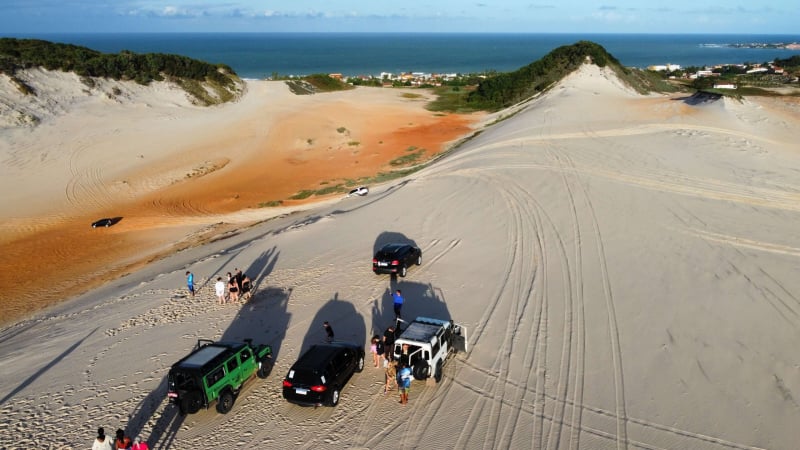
(260, 55)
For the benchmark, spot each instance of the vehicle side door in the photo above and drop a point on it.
(235, 373)
(215, 382)
(408, 255)
(338, 367)
(247, 363)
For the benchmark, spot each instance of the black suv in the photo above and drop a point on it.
(216, 371)
(318, 377)
(396, 259)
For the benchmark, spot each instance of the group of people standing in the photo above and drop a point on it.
(398, 373)
(238, 286)
(122, 441)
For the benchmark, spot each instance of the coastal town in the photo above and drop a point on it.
(671, 71)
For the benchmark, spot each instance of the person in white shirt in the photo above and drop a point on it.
(101, 442)
(219, 287)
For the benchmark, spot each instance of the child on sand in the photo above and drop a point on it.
(391, 376)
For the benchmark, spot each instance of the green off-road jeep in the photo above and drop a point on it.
(216, 371)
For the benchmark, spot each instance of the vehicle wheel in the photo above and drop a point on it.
(191, 402)
(403, 271)
(421, 370)
(108, 225)
(225, 402)
(419, 260)
(264, 367)
(360, 364)
(333, 400)
(437, 375)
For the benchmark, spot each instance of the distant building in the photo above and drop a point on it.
(724, 85)
(706, 73)
(665, 68)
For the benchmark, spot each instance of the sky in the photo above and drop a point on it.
(481, 16)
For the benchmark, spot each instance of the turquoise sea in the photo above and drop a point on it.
(259, 55)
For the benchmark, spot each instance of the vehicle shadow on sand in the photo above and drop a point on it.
(347, 323)
(264, 318)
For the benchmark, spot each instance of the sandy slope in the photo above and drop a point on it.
(626, 267)
(175, 173)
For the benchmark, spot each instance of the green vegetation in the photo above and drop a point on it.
(191, 74)
(507, 89)
(325, 83)
(346, 185)
(300, 87)
(792, 63)
(644, 81)
(314, 84)
(341, 130)
(327, 190)
(353, 143)
(452, 99)
(271, 204)
(407, 159)
(496, 91)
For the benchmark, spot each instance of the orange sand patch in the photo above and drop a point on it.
(40, 267)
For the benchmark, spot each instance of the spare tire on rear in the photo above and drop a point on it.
(421, 370)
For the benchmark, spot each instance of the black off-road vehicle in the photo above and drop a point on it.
(216, 371)
(396, 258)
(319, 375)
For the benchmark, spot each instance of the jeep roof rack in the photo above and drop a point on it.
(422, 329)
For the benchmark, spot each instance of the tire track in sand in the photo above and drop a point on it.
(616, 349)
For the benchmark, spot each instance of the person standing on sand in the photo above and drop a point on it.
(190, 282)
(219, 287)
(122, 441)
(328, 332)
(101, 442)
(404, 382)
(397, 297)
(388, 343)
(391, 377)
(233, 289)
(373, 348)
(247, 288)
(239, 278)
(139, 445)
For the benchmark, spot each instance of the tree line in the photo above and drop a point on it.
(16, 54)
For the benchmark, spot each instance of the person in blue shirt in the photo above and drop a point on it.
(404, 382)
(398, 303)
(190, 282)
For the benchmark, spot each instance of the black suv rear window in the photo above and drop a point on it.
(305, 377)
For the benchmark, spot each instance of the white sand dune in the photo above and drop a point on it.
(627, 268)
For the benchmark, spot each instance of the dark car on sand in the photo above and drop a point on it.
(396, 259)
(318, 376)
(104, 222)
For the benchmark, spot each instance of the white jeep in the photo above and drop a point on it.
(426, 343)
